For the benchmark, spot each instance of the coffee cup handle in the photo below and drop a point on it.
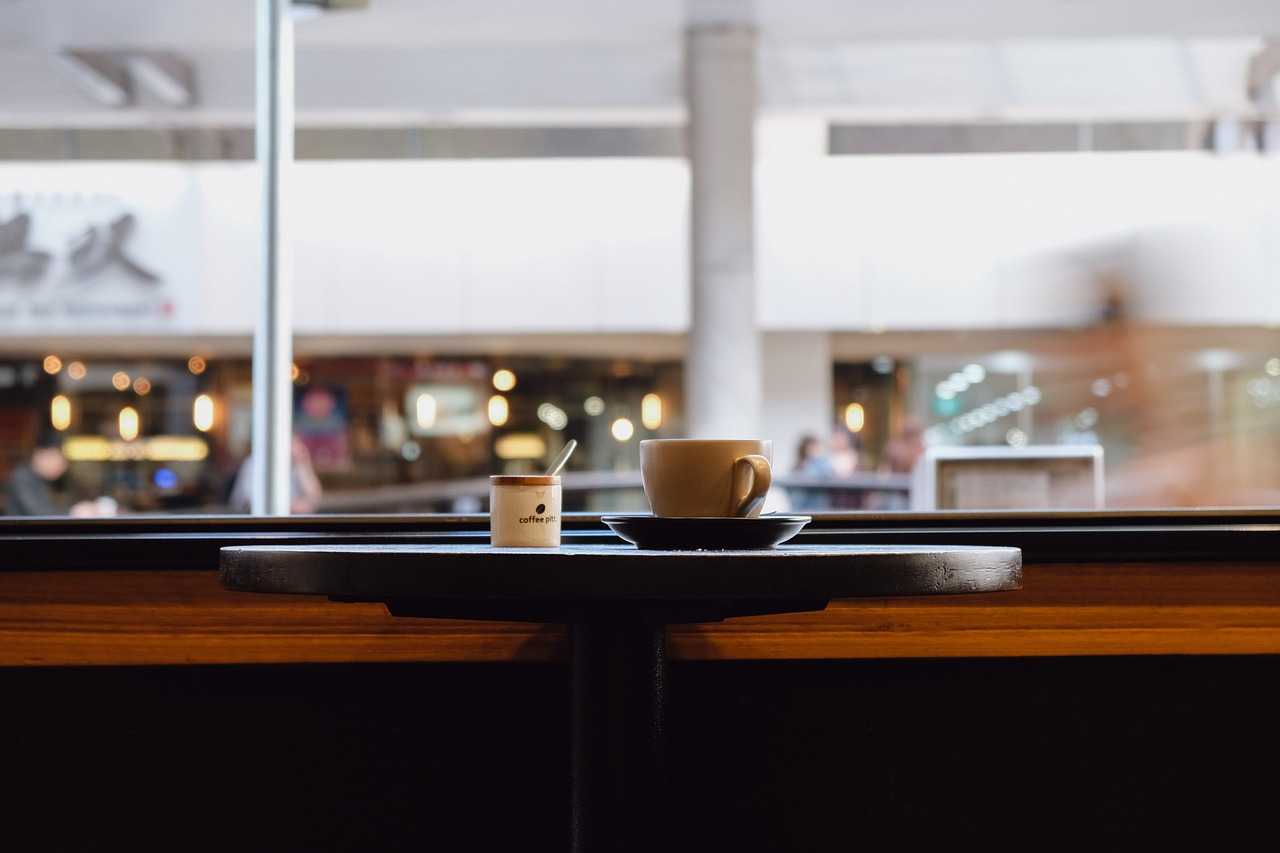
(751, 480)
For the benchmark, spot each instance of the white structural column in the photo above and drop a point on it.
(798, 385)
(723, 379)
(273, 332)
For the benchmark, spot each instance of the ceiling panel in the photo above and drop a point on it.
(228, 23)
(593, 61)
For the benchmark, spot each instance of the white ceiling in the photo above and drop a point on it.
(229, 23)
(619, 60)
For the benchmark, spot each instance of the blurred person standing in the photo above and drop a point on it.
(305, 489)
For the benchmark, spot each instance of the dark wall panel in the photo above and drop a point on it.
(1005, 754)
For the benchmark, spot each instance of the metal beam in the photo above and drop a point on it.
(412, 142)
(1012, 137)
(273, 334)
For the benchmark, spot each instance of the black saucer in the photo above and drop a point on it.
(651, 532)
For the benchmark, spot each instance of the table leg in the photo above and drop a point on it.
(619, 670)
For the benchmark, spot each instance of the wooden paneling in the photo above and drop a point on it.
(1063, 609)
(152, 617)
(157, 617)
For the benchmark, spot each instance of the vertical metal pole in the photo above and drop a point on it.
(273, 334)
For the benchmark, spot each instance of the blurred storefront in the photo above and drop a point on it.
(1183, 422)
(170, 435)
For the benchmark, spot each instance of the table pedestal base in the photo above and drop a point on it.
(619, 667)
(619, 670)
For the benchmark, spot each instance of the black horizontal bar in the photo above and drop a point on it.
(192, 542)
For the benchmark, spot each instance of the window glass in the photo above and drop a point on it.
(1018, 260)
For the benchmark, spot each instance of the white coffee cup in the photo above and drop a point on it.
(524, 511)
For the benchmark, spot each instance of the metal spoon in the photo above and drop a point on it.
(563, 458)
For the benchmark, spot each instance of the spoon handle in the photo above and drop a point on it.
(562, 458)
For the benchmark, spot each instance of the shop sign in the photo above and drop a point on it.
(71, 260)
(322, 422)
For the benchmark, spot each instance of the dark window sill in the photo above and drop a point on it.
(192, 542)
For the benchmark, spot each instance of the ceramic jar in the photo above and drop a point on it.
(524, 511)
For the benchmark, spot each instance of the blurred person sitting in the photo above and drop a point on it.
(901, 453)
(35, 487)
(811, 462)
(305, 489)
(904, 450)
(844, 453)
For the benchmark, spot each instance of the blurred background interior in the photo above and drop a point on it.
(1022, 261)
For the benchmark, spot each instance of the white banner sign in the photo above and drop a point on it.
(89, 259)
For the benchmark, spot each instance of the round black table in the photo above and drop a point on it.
(618, 601)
